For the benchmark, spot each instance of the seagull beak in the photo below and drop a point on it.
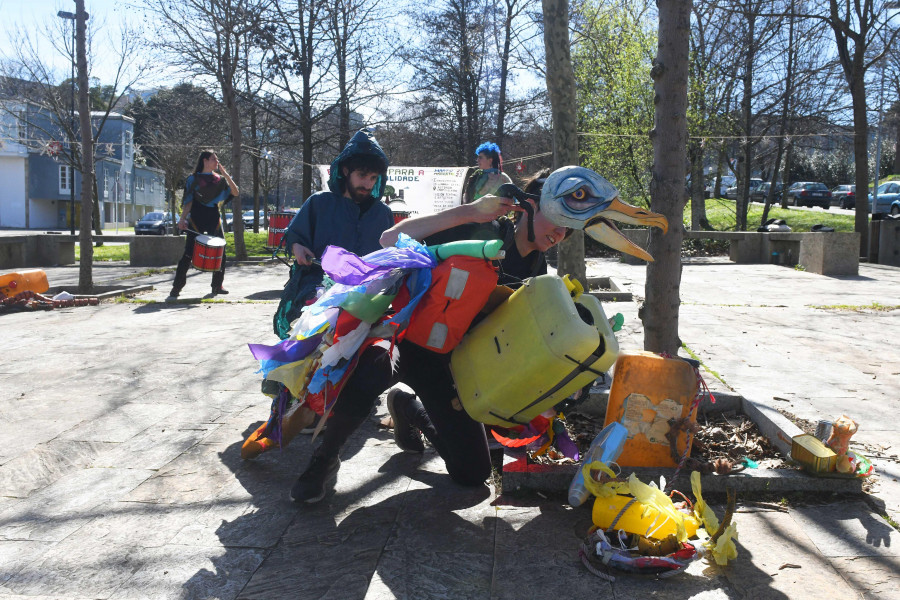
(602, 228)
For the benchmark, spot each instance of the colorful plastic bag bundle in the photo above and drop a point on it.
(352, 312)
(638, 527)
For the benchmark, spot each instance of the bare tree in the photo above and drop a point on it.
(170, 127)
(711, 86)
(85, 271)
(517, 30)
(365, 48)
(29, 77)
(667, 195)
(299, 57)
(209, 38)
(862, 36)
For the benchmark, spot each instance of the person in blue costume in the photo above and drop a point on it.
(488, 176)
(459, 440)
(204, 191)
(350, 215)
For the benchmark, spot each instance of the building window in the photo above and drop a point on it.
(105, 184)
(151, 185)
(126, 150)
(65, 179)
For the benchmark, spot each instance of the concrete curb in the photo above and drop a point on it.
(597, 287)
(103, 292)
(518, 475)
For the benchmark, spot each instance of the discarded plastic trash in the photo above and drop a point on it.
(30, 280)
(812, 453)
(833, 456)
(633, 517)
(64, 296)
(647, 391)
(848, 461)
(606, 448)
(616, 321)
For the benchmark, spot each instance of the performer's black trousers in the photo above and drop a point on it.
(208, 227)
(460, 440)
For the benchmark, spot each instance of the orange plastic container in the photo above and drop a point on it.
(646, 392)
(32, 280)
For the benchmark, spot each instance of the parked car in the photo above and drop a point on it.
(228, 222)
(844, 195)
(154, 223)
(809, 193)
(761, 192)
(248, 219)
(888, 198)
(727, 182)
(732, 192)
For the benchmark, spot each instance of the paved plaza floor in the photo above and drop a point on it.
(120, 472)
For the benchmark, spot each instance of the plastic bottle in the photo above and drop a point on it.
(606, 448)
(32, 280)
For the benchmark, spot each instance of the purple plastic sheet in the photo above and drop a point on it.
(345, 267)
(287, 351)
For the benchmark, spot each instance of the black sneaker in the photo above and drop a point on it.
(219, 291)
(403, 406)
(318, 479)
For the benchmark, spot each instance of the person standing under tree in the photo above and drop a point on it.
(204, 191)
(488, 176)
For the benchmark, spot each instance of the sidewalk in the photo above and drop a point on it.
(120, 474)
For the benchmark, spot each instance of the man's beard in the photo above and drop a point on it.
(360, 195)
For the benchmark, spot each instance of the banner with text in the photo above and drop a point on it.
(424, 190)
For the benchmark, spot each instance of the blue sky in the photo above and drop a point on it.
(33, 16)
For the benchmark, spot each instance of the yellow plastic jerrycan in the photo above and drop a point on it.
(646, 392)
(32, 280)
(651, 524)
(534, 350)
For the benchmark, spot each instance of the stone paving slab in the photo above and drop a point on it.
(170, 391)
(848, 529)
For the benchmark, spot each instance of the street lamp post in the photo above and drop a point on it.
(71, 16)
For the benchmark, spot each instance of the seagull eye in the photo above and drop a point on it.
(581, 200)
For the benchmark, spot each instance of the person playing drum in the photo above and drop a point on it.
(205, 190)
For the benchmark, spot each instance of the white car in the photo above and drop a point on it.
(727, 182)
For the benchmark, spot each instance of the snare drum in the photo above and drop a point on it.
(208, 253)
(278, 224)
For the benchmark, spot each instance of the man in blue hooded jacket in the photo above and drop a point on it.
(350, 215)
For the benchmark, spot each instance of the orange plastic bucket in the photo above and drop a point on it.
(646, 392)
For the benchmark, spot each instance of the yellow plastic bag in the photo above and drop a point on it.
(724, 548)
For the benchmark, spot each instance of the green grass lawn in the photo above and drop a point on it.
(255, 243)
(722, 216)
(106, 252)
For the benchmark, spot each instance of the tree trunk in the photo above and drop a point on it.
(786, 176)
(561, 88)
(783, 126)
(667, 195)
(504, 73)
(861, 159)
(742, 203)
(234, 118)
(95, 208)
(85, 271)
(698, 188)
(254, 165)
(896, 168)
